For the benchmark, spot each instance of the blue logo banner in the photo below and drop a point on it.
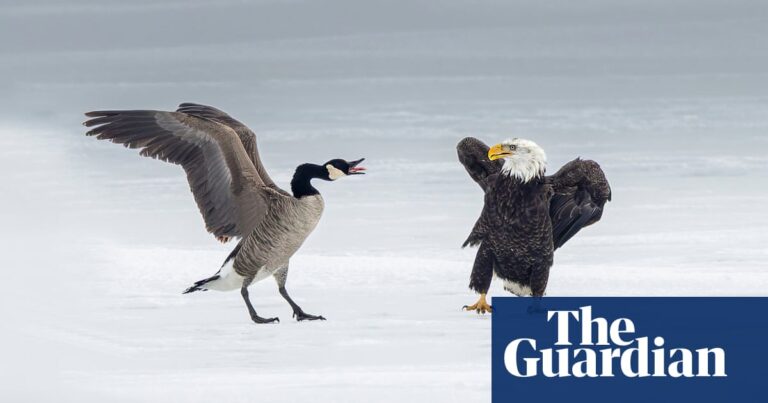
(633, 349)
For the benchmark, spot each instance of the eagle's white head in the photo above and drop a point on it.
(523, 159)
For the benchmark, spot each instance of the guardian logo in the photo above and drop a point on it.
(611, 347)
(629, 349)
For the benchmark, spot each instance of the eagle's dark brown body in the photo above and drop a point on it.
(523, 222)
(524, 248)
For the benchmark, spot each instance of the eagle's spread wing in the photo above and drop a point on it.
(227, 187)
(246, 135)
(473, 154)
(482, 226)
(580, 192)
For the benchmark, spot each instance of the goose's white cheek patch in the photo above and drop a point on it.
(333, 172)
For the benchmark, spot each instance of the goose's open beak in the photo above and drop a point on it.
(498, 151)
(354, 169)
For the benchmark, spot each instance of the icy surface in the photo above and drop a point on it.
(98, 243)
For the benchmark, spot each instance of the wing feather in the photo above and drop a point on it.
(473, 154)
(246, 135)
(580, 193)
(227, 187)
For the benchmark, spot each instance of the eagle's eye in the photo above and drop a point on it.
(512, 147)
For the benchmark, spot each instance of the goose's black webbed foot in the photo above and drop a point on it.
(300, 315)
(258, 319)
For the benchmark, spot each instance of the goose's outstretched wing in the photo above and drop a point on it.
(227, 187)
(580, 192)
(473, 154)
(246, 135)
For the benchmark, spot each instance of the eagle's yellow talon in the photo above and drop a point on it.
(481, 306)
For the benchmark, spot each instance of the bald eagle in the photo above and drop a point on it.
(526, 215)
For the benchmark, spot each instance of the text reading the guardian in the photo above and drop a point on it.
(629, 349)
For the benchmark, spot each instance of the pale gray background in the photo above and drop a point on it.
(669, 96)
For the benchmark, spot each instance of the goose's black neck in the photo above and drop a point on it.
(300, 184)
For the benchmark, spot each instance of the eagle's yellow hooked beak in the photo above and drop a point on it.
(498, 151)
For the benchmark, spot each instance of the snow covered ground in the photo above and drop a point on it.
(97, 243)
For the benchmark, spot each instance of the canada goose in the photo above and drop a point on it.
(526, 215)
(233, 191)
